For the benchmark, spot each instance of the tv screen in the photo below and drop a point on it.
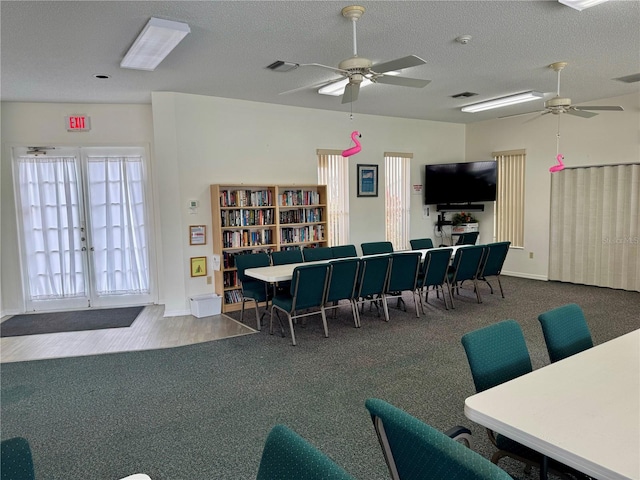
(460, 182)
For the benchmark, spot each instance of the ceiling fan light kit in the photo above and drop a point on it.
(158, 38)
(581, 4)
(502, 102)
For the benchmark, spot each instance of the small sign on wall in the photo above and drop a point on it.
(78, 123)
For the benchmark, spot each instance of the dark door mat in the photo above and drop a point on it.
(55, 322)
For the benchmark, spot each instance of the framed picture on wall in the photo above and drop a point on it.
(198, 266)
(197, 235)
(367, 180)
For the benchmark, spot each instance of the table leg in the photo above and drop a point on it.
(544, 467)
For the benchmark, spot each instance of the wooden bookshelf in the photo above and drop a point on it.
(262, 218)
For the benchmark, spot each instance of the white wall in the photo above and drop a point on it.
(206, 140)
(609, 138)
(32, 124)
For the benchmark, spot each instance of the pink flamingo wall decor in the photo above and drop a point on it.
(353, 150)
(559, 166)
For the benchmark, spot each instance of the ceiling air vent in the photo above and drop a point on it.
(464, 95)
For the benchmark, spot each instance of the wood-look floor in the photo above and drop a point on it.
(148, 332)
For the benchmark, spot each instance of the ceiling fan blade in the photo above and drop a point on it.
(310, 87)
(580, 113)
(602, 107)
(351, 92)
(402, 81)
(398, 64)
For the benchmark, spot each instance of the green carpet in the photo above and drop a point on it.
(73, 321)
(203, 411)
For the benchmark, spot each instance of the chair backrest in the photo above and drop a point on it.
(317, 253)
(496, 354)
(375, 248)
(284, 257)
(405, 268)
(374, 273)
(308, 285)
(466, 263)
(344, 251)
(344, 279)
(416, 451)
(421, 243)
(494, 258)
(565, 331)
(250, 260)
(16, 462)
(288, 456)
(435, 266)
(468, 238)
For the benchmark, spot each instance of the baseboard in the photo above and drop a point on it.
(525, 275)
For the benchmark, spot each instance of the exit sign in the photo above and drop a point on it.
(78, 123)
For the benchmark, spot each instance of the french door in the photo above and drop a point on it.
(83, 227)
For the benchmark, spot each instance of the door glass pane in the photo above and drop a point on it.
(50, 210)
(118, 225)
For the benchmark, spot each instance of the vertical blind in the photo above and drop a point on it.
(594, 232)
(397, 198)
(509, 212)
(333, 171)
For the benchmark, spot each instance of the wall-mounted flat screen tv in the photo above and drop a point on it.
(460, 182)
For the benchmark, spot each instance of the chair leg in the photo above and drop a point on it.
(500, 285)
(475, 287)
(417, 302)
(385, 307)
(258, 318)
(355, 313)
(324, 323)
(293, 335)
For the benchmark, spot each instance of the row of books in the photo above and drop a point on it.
(233, 296)
(230, 278)
(246, 198)
(301, 215)
(229, 258)
(313, 233)
(299, 197)
(244, 218)
(247, 238)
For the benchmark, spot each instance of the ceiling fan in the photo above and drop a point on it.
(558, 104)
(357, 70)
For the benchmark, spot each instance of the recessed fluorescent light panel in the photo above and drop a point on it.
(337, 88)
(581, 4)
(502, 102)
(155, 42)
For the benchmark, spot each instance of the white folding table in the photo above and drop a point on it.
(583, 411)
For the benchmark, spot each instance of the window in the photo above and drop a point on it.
(333, 171)
(509, 211)
(397, 182)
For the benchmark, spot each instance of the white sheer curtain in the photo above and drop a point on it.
(118, 224)
(50, 210)
(595, 231)
(397, 198)
(333, 171)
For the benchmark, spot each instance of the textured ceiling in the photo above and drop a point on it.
(50, 51)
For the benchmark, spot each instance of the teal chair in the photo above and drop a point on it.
(565, 331)
(421, 243)
(343, 283)
(288, 456)
(344, 251)
(376, 248)
(496, 354)
(372, 283)
(434, 273)
(16, 462)
(414, 450)
(496, 254)
(465, 266)
(307, 294)
(316, 254)
(468, 238)
(285, 257)
(253, 290)
(403, 276)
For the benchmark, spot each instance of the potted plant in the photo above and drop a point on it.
(464, 222)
